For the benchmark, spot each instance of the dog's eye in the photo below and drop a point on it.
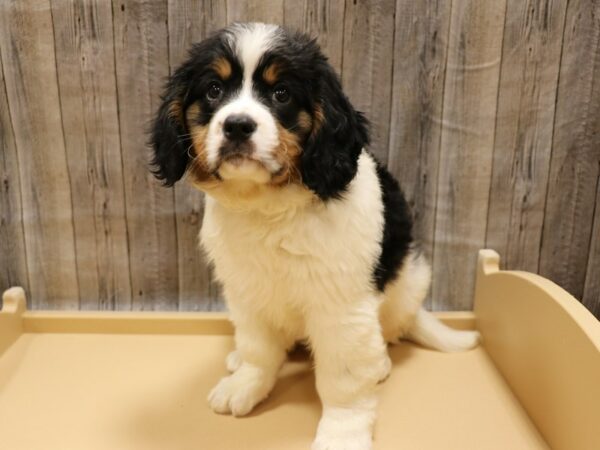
(281, 94)
(214, 92)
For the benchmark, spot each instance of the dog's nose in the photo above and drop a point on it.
(239, 127)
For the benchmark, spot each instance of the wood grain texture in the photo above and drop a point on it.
(575, 161)
(591, 291)
(142, 65)
(367, 65)
(13, 255)
(323, 19)
(420, 51)
(487, 112)
(524, 126)
(470, 93)
(86, 76)
(191, 21)
(28, 60)
(268, 11)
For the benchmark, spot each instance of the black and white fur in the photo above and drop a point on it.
(310, 236)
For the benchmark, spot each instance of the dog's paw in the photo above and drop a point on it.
(241, 391)
(233, 361)
(344, 429)
(386, 368)
(337, 441)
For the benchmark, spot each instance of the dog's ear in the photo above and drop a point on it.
(330, 156)
(169, 137)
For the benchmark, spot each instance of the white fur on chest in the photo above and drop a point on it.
(313, 255)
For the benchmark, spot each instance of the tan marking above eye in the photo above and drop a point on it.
(222, 67)
(271, 73)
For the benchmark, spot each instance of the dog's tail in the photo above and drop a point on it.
(429, 332)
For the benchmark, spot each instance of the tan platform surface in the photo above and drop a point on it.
(139, 381)
(94, 391)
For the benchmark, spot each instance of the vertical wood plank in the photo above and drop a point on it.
(191, 21)
(323, 19)
(30, 75)
(575, 161)
(142, 65)
(591, 292)
(420, 51)
(268, 11)
(367, 65)
(13, 256)
(87, 86)
(470, 94)
(524, 125)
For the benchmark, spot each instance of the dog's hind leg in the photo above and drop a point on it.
(403, 317)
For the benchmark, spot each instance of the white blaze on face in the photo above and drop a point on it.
(250, 42)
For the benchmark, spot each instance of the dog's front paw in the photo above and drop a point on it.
(347, 441)
(241, 391)
(386, 368)
(344, 429)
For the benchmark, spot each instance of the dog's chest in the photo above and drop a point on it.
(321, 250)
(279, 246)
(304, 255)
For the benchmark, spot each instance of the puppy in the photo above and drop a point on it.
(309, 235)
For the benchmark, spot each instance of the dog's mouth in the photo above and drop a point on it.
(239, 159)
(231, 150)
(241, 156)
(239, 162)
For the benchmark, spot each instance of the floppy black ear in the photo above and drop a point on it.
(170, 138)
(330, 157)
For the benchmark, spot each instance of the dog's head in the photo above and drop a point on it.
(259, 104)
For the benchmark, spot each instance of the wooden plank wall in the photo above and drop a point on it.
(488, 113)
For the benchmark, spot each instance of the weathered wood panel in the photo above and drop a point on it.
(367, 64)
(30, 77)
(142, 65)
(191, 21)
(524, 125)
(487, 113)
(575, 161)
(591, 292)
(420, 51)
(13, 256)
(88, 96)
(269, 11)
(470, 94)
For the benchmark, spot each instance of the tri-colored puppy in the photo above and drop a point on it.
(309, 235)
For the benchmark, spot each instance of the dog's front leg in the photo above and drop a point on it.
(260, 352)
(351, 358)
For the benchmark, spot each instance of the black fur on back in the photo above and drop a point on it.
(397, 231)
